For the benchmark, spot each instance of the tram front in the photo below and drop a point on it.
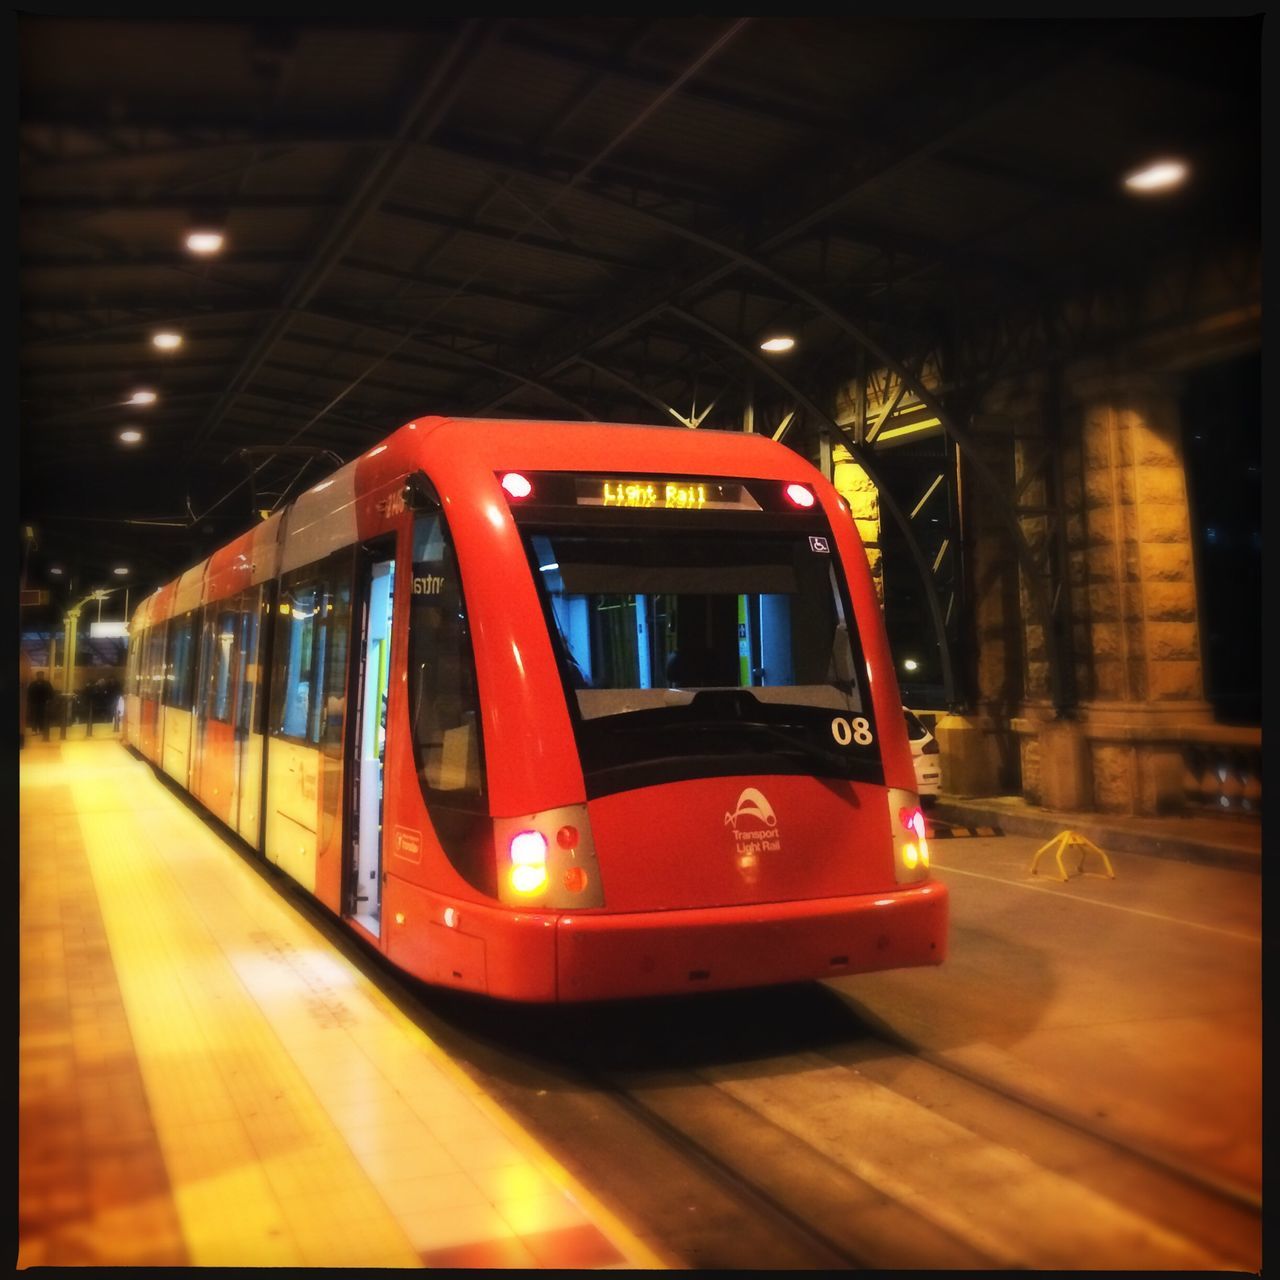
(718, 788)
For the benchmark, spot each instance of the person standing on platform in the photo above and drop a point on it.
(39, 695)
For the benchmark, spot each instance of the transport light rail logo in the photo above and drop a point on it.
(751, 803)
(758, 835)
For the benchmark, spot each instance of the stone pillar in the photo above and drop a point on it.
(1139, 593)
(970, 764)
(1133, 590)
(1064, 778)
(855, 487)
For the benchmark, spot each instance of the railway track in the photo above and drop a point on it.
(772, 1129)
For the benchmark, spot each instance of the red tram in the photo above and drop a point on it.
(557, 711)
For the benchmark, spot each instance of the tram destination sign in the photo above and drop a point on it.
(664, 494)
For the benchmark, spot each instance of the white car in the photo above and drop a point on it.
(925, 757)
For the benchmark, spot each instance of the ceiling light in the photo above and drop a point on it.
(166, 341)
(779, 342)
(143, 397)
(204, 242)
(1158, 175)
(911, 664)
(120, 571)
(55, 570)
(130, 435)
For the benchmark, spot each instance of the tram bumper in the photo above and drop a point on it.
(605, 957)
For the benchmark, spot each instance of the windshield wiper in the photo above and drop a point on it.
(793, 741)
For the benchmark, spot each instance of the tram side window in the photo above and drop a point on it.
(319, 647)
(295, 658)
(177, 692)
(204, 700)
(133, 675)
(443, 700)
(309, 664)
(154, 680)
(337, 616)
(248, 606)
(220, 664)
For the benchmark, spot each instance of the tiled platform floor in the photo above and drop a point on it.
(202, 1081)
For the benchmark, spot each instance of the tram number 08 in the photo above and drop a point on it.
(856, 730)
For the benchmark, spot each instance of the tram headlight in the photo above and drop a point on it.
(910, 842)
(547, 860)
(528, 862)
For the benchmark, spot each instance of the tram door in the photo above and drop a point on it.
(364, 888)
(249, 715)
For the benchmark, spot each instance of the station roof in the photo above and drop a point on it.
(546, 217)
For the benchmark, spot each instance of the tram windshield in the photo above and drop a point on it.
(694, 653)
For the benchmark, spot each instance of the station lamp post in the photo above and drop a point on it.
(71, 623)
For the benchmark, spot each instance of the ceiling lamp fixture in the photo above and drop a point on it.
(143, 397)
(779, 342)
(204, 243)
(166, 340)
(130, 435)
(1156, 177)
(120, 571)
(55, 570)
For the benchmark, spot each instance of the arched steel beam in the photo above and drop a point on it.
(444, 82)
(647, 396)
(967, 447)
(545, 387)
(737, 257)
(860, 456)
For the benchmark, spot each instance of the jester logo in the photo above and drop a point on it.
(751, 804)
(390, 506)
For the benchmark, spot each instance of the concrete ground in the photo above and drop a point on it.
(1132, 1003)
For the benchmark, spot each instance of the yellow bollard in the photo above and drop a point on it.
(1060, 844)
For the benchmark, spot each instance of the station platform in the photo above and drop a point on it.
(205, 1081)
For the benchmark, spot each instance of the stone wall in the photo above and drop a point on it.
(1092, 455)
